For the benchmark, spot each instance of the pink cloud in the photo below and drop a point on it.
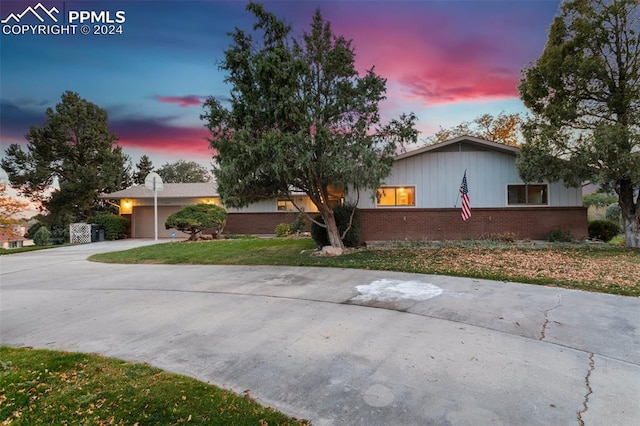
(434, 61)
(182, 101)
(154, 135)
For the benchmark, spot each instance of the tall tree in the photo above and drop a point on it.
(143, 168)
(503, 128)
(584, 94)
(183, 172)
(73, 150)
(301, 118)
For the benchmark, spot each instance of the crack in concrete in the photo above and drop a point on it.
(585, 403)
(546, 317)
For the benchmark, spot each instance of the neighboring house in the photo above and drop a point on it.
(419, 200)
(13, 237)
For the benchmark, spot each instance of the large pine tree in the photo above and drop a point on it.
(74, 154)
(301, 118)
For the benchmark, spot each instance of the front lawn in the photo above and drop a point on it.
(598, 268)
(39, 387)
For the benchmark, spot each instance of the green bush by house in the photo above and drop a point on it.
(115, 227)
(603, 230)
(560, 236)
(283, 230)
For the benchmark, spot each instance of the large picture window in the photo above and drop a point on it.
(389, 196)
(527, 195)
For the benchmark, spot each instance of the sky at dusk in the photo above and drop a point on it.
(447, 61)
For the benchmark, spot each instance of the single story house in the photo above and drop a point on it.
(419, 200)
(421, 197)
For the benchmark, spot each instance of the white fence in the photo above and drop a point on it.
(80, 233)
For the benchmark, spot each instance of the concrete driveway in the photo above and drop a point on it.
(339, 346)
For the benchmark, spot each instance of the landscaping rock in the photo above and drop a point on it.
(330, 251)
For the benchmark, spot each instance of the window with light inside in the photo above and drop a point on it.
(390, 196)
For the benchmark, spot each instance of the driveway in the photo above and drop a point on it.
(340, 346)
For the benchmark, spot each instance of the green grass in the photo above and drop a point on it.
(618, 241)
(601, 268)
(4, 252)
(253, 251)
(39, 387)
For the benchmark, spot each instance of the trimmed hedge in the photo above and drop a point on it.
(342, 214)
(115, 227)
(603, 230)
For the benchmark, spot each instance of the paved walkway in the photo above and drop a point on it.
(339, 346)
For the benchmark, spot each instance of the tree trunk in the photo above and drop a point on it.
(632, 231)
(332, 229)
(630, 212)
(333, 233)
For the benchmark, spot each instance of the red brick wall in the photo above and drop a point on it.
(257, 223)
(446, 224)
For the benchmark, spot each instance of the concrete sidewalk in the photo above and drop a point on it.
(310, 343)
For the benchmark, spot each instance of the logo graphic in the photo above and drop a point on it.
(41, 20)
(33, 10)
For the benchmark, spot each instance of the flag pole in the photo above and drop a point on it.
(455, 205)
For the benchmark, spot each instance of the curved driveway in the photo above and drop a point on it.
(306, 341)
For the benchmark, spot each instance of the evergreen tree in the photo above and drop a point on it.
(73, 152)
(584, 96)
(301, 118)
(143, 168)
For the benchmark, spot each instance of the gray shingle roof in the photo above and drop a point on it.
(170, 190)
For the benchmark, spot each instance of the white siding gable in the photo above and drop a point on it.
(436, 175)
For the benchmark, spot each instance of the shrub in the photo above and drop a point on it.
(31, 232)
(342, 215)
(59, 234)
(198, 217)
(559, 236)
(603, 230)
(283, 230)
(115, 227)
(298, 225)
(42, 237)
(613, 213)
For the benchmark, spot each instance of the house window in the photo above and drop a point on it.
(285, 206)
(396, 196)
(527, 195)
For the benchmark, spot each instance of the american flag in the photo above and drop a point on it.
(464, 191)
